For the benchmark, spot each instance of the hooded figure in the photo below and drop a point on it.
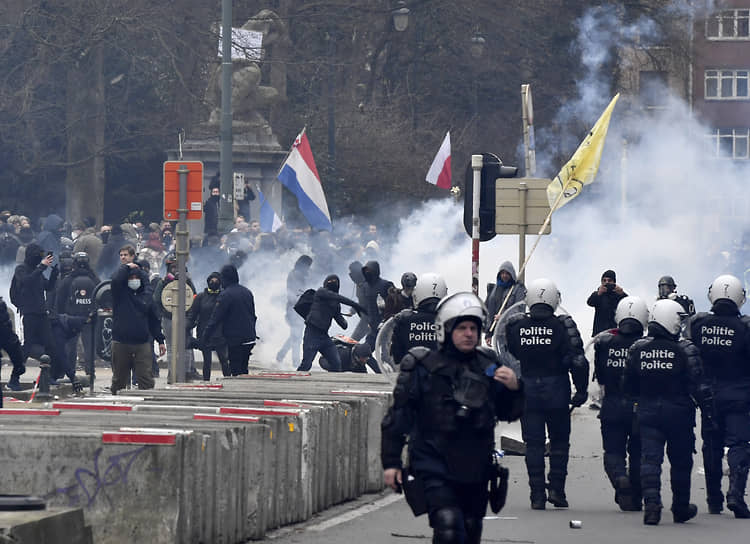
(374, 287)
(199, 315)
(28, 292)
(326, 306)
(49, 238)
(235, 314)
(505, 282)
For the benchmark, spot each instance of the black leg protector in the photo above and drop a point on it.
(447, 526)
(614, 466)
(473, 530)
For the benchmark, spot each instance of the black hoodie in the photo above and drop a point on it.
(374, 286)
(201, 311)
(234, 312)
(31, 283)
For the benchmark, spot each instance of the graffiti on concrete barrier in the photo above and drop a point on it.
(91, 483)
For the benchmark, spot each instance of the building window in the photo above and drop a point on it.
(730, 24)
(730, 143)
(652, 89)
(726, 84)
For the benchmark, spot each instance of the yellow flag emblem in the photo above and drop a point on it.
(581, 169)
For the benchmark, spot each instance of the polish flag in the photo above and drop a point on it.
(440, 171)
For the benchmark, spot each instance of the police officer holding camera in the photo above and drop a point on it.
(447, 401)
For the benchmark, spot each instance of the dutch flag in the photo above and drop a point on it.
(269, 221)
(299, 175)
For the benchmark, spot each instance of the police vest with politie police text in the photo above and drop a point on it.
(724, 343)
(538, 344)
(611, 353)
(413, 329)
(660, 364)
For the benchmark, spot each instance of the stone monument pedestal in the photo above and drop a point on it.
(255, 152)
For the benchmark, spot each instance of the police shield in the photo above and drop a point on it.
(499, 342)
(382, 352)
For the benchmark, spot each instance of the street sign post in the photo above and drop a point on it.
(183, 192)
(172, 189)
(521, 205)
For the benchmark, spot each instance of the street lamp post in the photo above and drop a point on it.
(476, 49)
(400, 16)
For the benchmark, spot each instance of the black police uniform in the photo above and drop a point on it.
(723, 339)
(414, 328)
(666, 375)
(620, 438)
(548, 347)
(683, 300)
(450, 450)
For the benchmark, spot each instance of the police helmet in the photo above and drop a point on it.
(668, 314)
(727, 287)
(81, 259)
(408, 280)
(666, 286)
(542, 291)
(632, 308)
(451, 309)
(429, 285)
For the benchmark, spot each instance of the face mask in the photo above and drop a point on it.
(134, 284)
(214, 286)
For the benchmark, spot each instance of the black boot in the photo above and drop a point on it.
(624, 495)
(684, 512)
(736, 493)
(538, 500)
(557, 498)
(652, 514)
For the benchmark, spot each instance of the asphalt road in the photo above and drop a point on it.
(379, 519)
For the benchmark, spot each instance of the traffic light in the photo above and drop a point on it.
(492, 168)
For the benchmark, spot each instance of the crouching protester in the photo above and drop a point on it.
(448, 401)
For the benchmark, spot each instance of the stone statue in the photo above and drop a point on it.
(249, 96)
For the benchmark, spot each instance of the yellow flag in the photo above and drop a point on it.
(581, 169)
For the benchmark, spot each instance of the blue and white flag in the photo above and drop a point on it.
(269, 221)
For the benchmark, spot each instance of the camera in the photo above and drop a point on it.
(610, 287)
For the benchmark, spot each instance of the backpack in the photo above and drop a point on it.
(304, 303)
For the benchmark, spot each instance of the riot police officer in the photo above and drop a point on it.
(414, 328)
(666, 374)
(668, 289)
(548, 347)
(723, 338)
(448, 401)
(622, 444)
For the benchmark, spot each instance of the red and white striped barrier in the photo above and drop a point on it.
(28, 412)
(236, 419)
(92, 406)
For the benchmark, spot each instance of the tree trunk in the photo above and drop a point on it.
(85, 126)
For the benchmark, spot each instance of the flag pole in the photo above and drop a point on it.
(290, 151)
(528, 257)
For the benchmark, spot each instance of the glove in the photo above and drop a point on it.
(579, 398)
